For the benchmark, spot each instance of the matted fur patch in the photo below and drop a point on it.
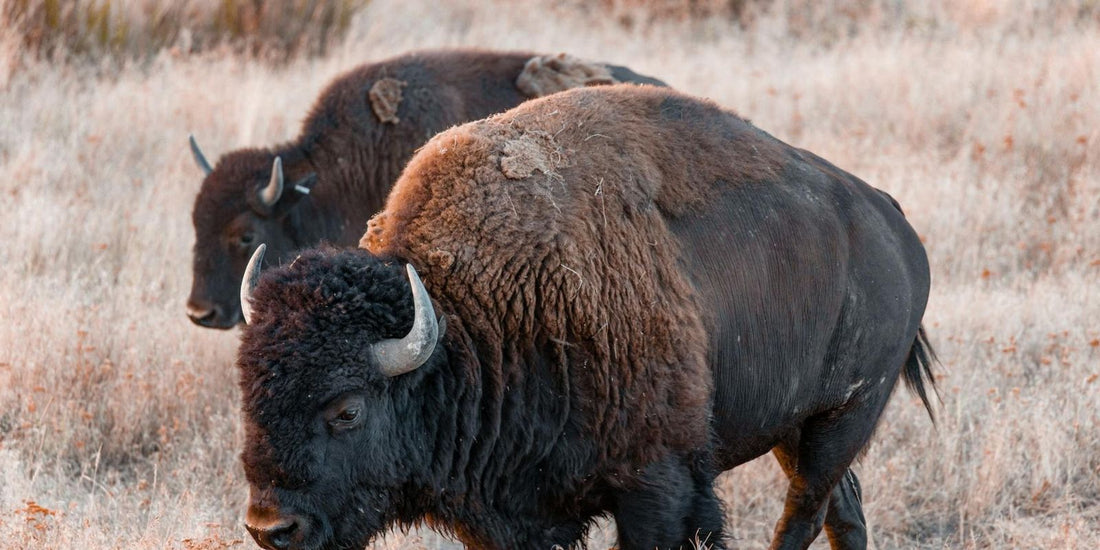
(443, 259)
(385, 98)
(546, 74)
(533, 151)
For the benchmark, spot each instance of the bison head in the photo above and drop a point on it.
(334, 349)
(243, 201)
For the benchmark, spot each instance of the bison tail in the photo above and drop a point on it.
(918, 369)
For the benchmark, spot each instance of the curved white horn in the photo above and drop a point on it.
(397, 356)
(200, 159)
(270, 194)
(248, 282)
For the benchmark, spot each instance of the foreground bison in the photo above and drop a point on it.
(360, 133)
(626, 291)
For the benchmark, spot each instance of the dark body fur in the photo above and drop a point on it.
(351, 155)
(641, 290)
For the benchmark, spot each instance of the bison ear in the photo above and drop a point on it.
(305, 185)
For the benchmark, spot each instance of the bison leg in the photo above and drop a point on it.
(844, 522)
(828, 444)
(704, 526)
(672, 506)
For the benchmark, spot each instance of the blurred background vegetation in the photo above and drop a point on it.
(135, 29)
(115, 31)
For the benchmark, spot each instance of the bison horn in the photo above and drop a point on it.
(200, 159)
(248, 282)
(270, 194)
(397, 356)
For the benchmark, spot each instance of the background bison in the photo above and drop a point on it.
(363, 128)
(639, 290)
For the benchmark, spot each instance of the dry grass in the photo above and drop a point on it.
(118, 420)
(120, 30)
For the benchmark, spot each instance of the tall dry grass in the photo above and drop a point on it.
(115, 31)
(118, 419)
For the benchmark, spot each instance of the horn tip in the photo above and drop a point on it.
(257, 259)
(248, 282)
(196, 153)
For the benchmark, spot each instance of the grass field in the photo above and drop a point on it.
(118, 418)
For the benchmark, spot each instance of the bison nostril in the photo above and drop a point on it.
(200, 315)
(280, 536)
(210, 316)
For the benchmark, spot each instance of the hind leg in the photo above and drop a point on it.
(829, 442)
(673, 504)
(844, 522)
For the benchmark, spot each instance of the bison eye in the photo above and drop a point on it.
(345, 413)
(246, 240)
(346, 419)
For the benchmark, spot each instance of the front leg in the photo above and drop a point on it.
(672, 507)
(504, 531)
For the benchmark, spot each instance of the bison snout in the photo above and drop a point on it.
(209, 315)
(276, 532)
(199, 314)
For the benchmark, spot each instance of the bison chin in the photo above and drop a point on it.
(295, 525)
(358, 522)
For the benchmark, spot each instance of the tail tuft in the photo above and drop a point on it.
(918, 369)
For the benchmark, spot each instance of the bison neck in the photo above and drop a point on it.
(351, 186)
(504, 449)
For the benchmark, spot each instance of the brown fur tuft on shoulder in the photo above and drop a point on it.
(385, 98)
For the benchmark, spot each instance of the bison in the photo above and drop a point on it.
(626, 291)
(352, 146)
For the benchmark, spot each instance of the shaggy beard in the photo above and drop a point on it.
(363, 518)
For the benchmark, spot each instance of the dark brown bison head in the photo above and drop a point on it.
(330, 360)
(243, 201)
